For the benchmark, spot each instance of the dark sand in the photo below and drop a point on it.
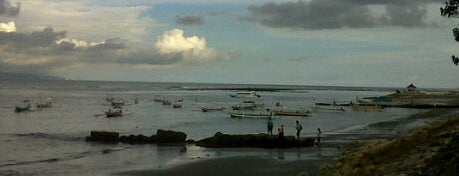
(240, 166)
(253, 166)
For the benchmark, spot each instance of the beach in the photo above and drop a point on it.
(253, 165)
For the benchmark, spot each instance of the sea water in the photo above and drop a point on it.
(51, 141)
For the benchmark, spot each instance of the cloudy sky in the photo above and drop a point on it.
(312, 42)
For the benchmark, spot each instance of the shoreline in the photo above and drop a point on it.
(339, 143)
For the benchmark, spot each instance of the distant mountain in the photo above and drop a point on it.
(26, 76)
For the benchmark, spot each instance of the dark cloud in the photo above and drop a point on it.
(189, 20)
(335, 14)
(48, 50)
(8, 9)
(44, 38)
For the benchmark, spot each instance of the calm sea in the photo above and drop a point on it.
(51, 141)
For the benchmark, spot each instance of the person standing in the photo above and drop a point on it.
(319, 135)
(281, 131)
(298, 129)
(270, 127)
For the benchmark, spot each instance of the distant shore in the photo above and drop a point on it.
(252, 165)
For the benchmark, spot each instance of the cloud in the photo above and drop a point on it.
(189, 20)
(8, 27)
(194, 49)
(86, 19)
(336, 14)
(47, 51)
(9, 9)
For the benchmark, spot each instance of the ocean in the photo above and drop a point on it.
(51, 141)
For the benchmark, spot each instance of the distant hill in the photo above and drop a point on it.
(26, 76)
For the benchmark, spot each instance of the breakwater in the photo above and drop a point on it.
(219, 140)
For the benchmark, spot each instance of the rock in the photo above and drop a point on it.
(163, 136)
(103, 136)
(220, 140)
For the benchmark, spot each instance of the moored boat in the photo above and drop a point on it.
(250, 115)
(117, 111)
(23, 107)
(205, 109)
(45, 104)
(367, 107)
(249, 94)
(291, 113)
(328, 109)
(248, 105)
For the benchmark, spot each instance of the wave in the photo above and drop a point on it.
(68, 157)
(63, 137)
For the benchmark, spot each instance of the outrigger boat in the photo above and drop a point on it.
(291, 113)
(45, 104)
(212, 109)
(248, 105)
(244, 115)
(249, 94)
(117, 111)
(367, 107)
(23, 107)
(327, 109)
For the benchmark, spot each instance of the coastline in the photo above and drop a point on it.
(254, 165)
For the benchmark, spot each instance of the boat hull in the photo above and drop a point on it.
(291, 113)
(242, 115)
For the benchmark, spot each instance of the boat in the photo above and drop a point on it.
(291, 113)
(367, 107)
(249, 94)
(23, 107)
(115, 111)
(248, 105)
(204, 109)
(250, 115)
(328, 109)
(177, 105)
(335, 104)
(117, 102)
(45, 104)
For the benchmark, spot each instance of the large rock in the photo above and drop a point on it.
(163, 136)
(220, 140)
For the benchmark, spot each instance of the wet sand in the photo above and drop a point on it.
(252, 165)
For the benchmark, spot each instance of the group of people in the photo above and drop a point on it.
(450, 8)
(298, 128)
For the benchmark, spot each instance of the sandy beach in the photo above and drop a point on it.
(250, 165)
(253, 165)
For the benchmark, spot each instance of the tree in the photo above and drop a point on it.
(451, 11)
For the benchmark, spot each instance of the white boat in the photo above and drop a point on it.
(248, 105)
(115, 111)
(328, 109)
(291, 113)
(250, 115)
(249, 94)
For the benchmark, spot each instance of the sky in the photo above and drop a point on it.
(376, 43)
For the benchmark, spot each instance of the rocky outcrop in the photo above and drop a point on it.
(220, 140)
(104, 136)
(161, 137)
(432, 150)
